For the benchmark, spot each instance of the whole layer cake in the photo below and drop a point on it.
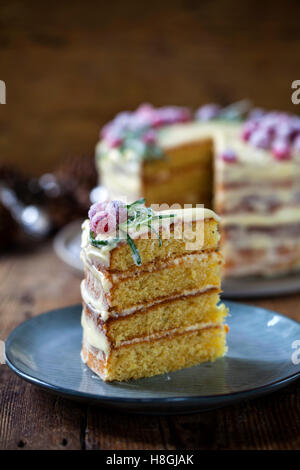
(151, 290)
(248, 172)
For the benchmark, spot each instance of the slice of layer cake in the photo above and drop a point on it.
(151, 290)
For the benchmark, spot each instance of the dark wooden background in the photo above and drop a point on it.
(69, 66)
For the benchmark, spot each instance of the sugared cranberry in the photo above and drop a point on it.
(97, 207)
(106, 216)
(260, 139)
(105, 130)
(229, 156)
(115, 142)
(147, 110)
(281, 149)
(138, 122)
(284, 129)
(149, 137)
(256, 113)
(248, 128)
(297, 144)
(208, 112)
(295, 123)
(171, 115)
(113, 135)
(122, 120)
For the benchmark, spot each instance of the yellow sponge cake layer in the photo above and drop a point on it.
(121, 258)
(180, 186)
(176, 313)
(200, 235)
(158, 356)
(182, 275)
(179, 157)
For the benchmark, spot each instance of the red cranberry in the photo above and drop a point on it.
(105, 217)
(260, 139)
(281, 149)
(208, 112)
(229, 156)
(149, 137)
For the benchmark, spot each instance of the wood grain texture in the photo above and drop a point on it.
(69, 69)
(31, 418)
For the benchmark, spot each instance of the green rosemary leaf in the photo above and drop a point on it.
(135, 251)
(155, 217)
(157, 233)
(99, 243)
(165, 216)
(139, 201)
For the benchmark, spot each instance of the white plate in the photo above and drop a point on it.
(67, 245)
(67, 248)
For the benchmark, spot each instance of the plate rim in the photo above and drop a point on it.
(59, 245)
(256, 391)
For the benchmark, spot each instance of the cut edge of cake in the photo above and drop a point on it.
(140, 321)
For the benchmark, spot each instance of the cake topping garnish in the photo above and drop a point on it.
(297, 144)
(208, 112)
(229, 156)
(106, 216)
(115, 219)
(275, 131)
(281, 149)
(233, 112)
(137, 130)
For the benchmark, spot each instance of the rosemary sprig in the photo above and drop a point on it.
(135, 251)
(140, 201)
(157, 233)
(137, 215)
(99, 243)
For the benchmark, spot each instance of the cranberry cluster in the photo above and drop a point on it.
(208, 112)
(106, 216)
(275, 131)
(143, 123)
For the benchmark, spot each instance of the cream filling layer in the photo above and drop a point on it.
(97, 338)
(94, 336)
(180, 134)
(231, 198)
(284, 215)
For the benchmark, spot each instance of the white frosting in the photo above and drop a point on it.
(94, 336)
(180, 134)
(231, 198)
(97, 304)
(285, 215)
(90, 252)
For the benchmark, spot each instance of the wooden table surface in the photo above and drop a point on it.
(31, 418)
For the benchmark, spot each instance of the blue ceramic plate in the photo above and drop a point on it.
(260, 359)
